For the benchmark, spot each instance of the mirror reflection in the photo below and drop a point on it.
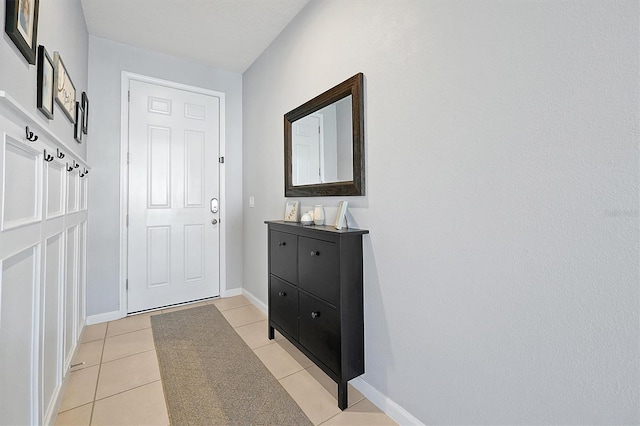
(322, 145)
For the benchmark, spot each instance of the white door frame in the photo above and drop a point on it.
(127, 77)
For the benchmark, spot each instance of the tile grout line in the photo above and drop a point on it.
(130, 389)
(95, 391)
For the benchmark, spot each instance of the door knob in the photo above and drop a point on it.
(214, 221)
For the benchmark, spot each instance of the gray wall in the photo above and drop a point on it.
(19, 79)
(107, 60)
(502, 198)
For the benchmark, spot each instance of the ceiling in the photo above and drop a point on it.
(225, 34)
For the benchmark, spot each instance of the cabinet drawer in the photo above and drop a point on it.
(283, 260)
(283, 305)
(320, 330)
(319, 268)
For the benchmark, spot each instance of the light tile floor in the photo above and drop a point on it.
(119, 382)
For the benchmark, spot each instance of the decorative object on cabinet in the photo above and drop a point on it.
(318, 214)
(292, 211)
(341, 216)
(65, 90)
(85, 113)
(340, 173)
(21, 25)
(306, 219)
(77, 127)
(45, 82)
(316, 296)
(31, 137)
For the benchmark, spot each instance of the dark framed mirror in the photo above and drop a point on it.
(324, 143)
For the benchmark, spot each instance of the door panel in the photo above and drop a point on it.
(174, 138)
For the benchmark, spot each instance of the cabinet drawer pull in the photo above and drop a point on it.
(315, 314)
(282, 293)
(282, 243)
(315, 253)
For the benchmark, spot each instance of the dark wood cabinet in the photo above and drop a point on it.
(316, 296)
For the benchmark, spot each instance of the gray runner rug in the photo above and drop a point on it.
(211, 377)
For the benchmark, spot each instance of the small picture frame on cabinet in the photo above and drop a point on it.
(77, 127)
(341, 216)
(46, 82)
(292, 211)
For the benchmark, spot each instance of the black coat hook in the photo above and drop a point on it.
(30, 136)
(48, 157)
(59, 153)
(75, 165)
(69, 168)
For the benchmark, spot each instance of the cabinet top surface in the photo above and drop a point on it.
(318, 228)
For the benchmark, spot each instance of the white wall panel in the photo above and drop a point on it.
(51, 332)
(22, 172)
(73, 183)
(18, 341)
(70, 293)
(55, 184)
(84, 188)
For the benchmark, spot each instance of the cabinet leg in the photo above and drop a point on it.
(342, 395)
(271, 333)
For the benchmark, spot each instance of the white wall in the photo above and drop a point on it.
(61, 28)
(501, 272)
(107, 60)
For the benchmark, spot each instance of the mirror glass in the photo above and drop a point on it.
(324, 143)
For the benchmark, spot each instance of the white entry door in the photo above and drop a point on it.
(306, 150)
(173, 244)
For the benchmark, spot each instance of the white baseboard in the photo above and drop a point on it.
(257, 302)
(389, 407)
(107, 316)
(230, 293)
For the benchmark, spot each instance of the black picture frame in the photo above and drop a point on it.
(65, 91)
(85, 115)
(21, 25)
(46, 82)
(77, 127)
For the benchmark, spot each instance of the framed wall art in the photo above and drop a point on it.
(77, 127)
(85, 115)
(21, 25)
(45, 82)
(65, 91)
